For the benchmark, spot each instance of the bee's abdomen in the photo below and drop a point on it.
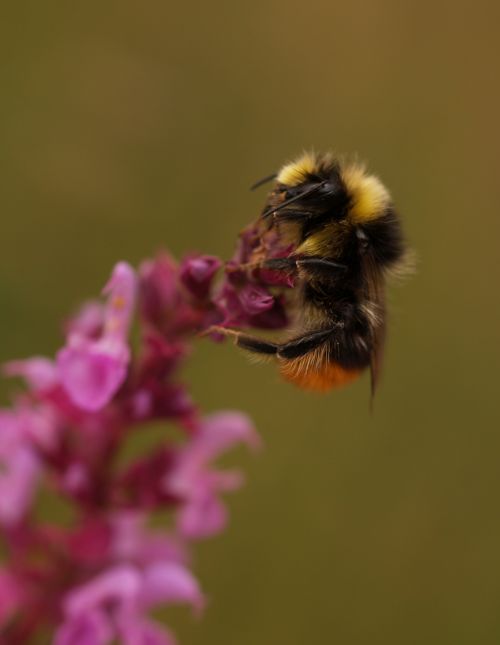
(310, 373)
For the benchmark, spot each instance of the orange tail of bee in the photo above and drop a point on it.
(318, 377)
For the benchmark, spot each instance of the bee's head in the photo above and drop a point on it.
(325, 189)
(344, 189)
(309, 191)
(334, 201)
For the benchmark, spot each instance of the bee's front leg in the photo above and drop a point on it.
(313, 265)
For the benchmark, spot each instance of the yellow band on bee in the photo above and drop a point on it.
(369, 196)
(296, 172)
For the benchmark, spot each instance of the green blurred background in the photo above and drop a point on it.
(128, 126)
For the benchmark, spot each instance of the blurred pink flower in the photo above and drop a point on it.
(94, 580)
(19, 470)
(247, 297)
(121, 595)
(159, 289)
(192, 479)
(90, 628)
(91, 371)
(197, 273)
(11, 596)
(133, 541)
(255, 299)
(40, 373)
(89, 320)
(137, 630)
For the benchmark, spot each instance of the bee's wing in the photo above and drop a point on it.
(377, 356)
(375, 299)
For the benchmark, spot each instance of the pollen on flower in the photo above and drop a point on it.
(118, 302)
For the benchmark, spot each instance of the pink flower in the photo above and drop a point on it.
(165, 305)
(39, 425)
(255, 299)
(244, 298)
(10, 595)
(159, 293)
(133, 541)
(196, 484)
(103, 571)
(90, 628)
(221, 431)
(40, 373)
(89, 320)
(19, 470)
(92, 370)
(121, 595)
(197, 273)
(153, 394)
(137, 630)
(250, 306)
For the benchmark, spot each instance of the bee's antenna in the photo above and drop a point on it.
(313, 189)
(263, 181)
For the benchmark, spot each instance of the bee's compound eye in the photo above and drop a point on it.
(290, 191)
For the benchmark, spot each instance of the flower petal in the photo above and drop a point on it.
(133, 540)
(91, 376)
(119, 584)
(221, 431)
(202, 517)
(90, 628)
(170, 582)
(91, 371)
(158, 288)
(19, 470)
(197, 274)
(17, 485)
(255, 299)
(136, 630)
(40, 373)
(10, 595)
(121, 290)
(88, 321)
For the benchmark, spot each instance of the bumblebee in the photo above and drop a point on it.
(346, 238)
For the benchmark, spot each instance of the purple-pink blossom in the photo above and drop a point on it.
(95, 579)
(113, 603)
(92, 369)
(196, 483)
(197, 274)
(19, 468)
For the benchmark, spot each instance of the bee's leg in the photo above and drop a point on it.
(311, 264)
(257, 345)
(288, 216)
(290, 349)
(250, 343)
(304, 344)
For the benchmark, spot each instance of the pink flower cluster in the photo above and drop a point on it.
(92, 578)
